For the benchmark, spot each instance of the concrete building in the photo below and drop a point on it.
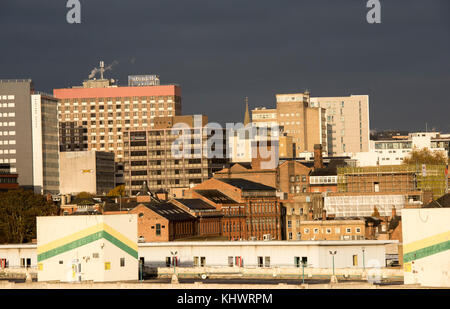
(8, 180)
(149, 155)
(29, 135)
(87, 248)
(261, 254)
(106, 110)
(426, 245)
(348, 123)
(87, 171)
(394, 150)
(298, 119)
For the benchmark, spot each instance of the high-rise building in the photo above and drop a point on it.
(29, 135)
(297, 119)
(347, 123)
(105, 110)
(149, 155)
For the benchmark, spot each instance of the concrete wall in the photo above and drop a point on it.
(426, 246)
(77, 248)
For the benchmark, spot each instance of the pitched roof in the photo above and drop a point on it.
(216, 196)
(246, 185)
(195, 203)
(169, 211)
(443, 201)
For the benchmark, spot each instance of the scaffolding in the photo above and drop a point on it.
(393, 178)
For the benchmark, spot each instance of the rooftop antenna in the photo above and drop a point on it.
(102, 69)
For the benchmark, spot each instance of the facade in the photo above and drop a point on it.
(107, 110)
(261, 254)
(393, 178)
(87, 171)
(348, 123)
(336, 229)
(298, 119)
(72, 137)
(263, 211)
(393, 150)
(149, 156)
(8, 180)
(159, 222)
(29, 139)
(87, 248)
(426, 246)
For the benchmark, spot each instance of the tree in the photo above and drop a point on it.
(117, 191)
(18, 212)
(84, 196)
(425, 156)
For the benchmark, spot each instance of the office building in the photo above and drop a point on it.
(348, 125)
(105, 110)
(29, 135)
(86, 171)
(294, 116)
(149, 155)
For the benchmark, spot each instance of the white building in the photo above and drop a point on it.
(94, 248)
(394, 151)
(426, 246)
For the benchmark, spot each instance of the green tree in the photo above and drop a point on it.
(84, 196)
(426, 156)
(18, 212)
(117, 191)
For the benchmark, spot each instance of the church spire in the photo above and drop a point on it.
(247, 114)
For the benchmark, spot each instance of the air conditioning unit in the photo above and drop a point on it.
(266, 237)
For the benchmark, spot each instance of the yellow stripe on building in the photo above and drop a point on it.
(72, 237)
(121, 237)
(86, 232)
(426, 242)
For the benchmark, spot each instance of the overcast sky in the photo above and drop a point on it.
(220, 51)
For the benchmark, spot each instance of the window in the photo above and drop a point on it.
(168, 261)
(348, 230)
(230, 261)
(260, 261)
(290, 235)
(328, 231)
(289, 223)
(122, 262)
(316, 231)
(358, 230)
(306, 231)
(355, 260)
(158, 229)
(267, 261)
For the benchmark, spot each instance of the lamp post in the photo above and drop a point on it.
(333, 278)
(140, 270)
(364, 276)
(303, 271)
(174, 255)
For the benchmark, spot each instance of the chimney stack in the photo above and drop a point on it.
(310, 214)
(324, 215)
(318, 160)
(394, 212)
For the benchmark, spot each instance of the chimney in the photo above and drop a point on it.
(318, 160)
(371, 233)
(310, 214)
(63, 200)
(324, 215)
(394, 212)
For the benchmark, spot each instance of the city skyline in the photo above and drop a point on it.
(220, 53)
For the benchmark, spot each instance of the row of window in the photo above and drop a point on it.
(337, 230)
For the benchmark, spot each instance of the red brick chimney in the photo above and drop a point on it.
(318, 160)
(394, 212)
(324, 215)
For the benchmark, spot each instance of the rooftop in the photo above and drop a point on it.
(169, 211)
(195, 204)
(442, 202)
(216, 196)
(246, 185)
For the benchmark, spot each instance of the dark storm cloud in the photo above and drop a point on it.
(220, 51)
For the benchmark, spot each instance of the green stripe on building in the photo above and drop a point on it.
(84, 241)
(427, 251)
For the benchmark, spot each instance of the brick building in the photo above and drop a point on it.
(264, 213)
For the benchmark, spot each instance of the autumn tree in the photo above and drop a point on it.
(18, 212)
(117, 191)
(426, 156)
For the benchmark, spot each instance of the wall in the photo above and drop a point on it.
(76, 248)
(426, 246)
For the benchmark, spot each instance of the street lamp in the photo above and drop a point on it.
(364, 263)
(174, 255)
(333, 278)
